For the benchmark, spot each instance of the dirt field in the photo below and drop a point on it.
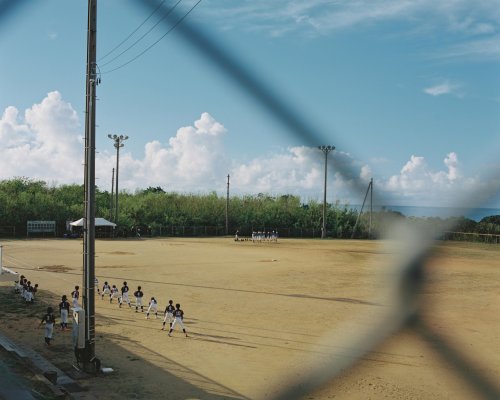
(257, 313)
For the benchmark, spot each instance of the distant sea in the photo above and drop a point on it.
(475, 214)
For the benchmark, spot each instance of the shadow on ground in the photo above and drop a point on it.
(134, 377)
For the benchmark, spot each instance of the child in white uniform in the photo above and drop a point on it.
(153, 306)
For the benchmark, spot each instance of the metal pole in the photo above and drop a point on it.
(116, 190)
(112, 195)
(118, 142)
(325, 150)
(227, 207)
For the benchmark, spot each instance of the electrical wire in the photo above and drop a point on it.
(134, 31)
(148, 48)
(144, 35)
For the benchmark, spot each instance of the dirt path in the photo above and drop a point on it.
(256, 313)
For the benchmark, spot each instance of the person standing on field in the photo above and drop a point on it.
(169, 314)
(178, 319)
(138, 299)
(64, 311)
(106, 289)
(49, 319)
(124, 296)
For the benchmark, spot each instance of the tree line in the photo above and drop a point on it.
(155, 211)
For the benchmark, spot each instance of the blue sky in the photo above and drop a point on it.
(407, 91)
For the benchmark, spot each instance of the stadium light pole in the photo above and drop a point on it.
(118, 142)
(325, 150)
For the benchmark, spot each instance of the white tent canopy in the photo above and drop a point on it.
(98, 222)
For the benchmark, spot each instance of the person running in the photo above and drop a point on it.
(169, 314)
(64, 311)
(115, 294)
(153, 306)
(124, 296)
(49, 319)
(75, 294)
(139, 294)
(178, 319)
(106, 289)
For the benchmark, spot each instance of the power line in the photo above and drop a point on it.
(144, 35)
(148, 48)
(134, 31)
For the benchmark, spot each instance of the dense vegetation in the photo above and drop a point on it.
(155, 212)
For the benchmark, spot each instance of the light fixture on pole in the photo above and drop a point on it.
(118, 142)
(325, 150)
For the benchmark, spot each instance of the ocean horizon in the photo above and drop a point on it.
(476, 214)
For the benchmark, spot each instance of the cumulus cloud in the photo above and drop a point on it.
(192, 160)
(45, 142)
(417, 183)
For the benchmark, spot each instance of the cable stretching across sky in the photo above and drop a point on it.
(134, 31)
(152, 45)
(145, 34)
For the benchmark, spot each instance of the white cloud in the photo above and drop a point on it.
(193, 160)
(418, 184)
(45, 143)
(322, 16)
(484, 48)
(444, 88)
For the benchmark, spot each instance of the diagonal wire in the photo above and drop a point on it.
(134, 31)
(169, 11)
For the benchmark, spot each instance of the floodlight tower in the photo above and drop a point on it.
(118, 142)
(325, 150)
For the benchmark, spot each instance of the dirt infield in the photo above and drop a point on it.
(256, 313)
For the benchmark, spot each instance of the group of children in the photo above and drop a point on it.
(49, 318)
(24, 287)
(173, 315)
(264, 237)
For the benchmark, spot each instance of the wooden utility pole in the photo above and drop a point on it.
(227, 207)
(325, 150)
(368, 190)
(90, 362)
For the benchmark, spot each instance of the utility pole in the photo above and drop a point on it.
(227, 207)
(118, 142)
(325, 150)
(112, 193)
(90, 362)
(371, 209)
(368, 190)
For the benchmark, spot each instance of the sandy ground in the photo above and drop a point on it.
(258, 315)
